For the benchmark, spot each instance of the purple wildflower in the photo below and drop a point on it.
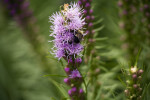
(64, 29)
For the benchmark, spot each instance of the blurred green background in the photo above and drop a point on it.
(21, 65)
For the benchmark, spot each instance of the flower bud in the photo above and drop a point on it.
(93, 31)
(84, 1)
(87, 32)
(97, 70)
(70, 92)
(81, 91)
(146, 6)
(90, 25)
(128, 82)
(140, 72)
(78, 60)
(87, 17)
(133, 69)
(91, 11)
(125, 12)
(92, 17)
(126, 92)
(147, 14)
(139, 77)
(85, 12)
(74, 89)
(120, 3)
(87, 5)
(134, 76)
(67, 81)
(121, 25)
(140, 97)
(67, 70)
(25, 5)
(141, 9)
(79, 2)
(70, 61)
(93, 51)
(140, 89)
(90, 40)
(12, 12)
(135, 86)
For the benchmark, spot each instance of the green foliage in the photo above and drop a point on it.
(24, 77)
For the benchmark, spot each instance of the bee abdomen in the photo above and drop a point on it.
(76, 39)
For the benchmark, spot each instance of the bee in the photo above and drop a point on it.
(64, 10)
(78, 35)
(65, 7)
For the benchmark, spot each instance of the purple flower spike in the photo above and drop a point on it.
(66, 44)
(87, 5)
(66, 25)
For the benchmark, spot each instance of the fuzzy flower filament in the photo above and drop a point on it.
(66, 25)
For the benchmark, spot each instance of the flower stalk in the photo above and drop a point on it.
(89, 18)
(68, 31)
(20, 12)
(133, 89)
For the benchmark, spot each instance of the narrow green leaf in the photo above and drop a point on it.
(99, 29)
(54, 75)
(121, 81)
(97, 22)
(52, 98)
(61, 62)
(145, 89)
(101, 39)
(103, 68)
(99, 47)
(60, 87)
(137, 57)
